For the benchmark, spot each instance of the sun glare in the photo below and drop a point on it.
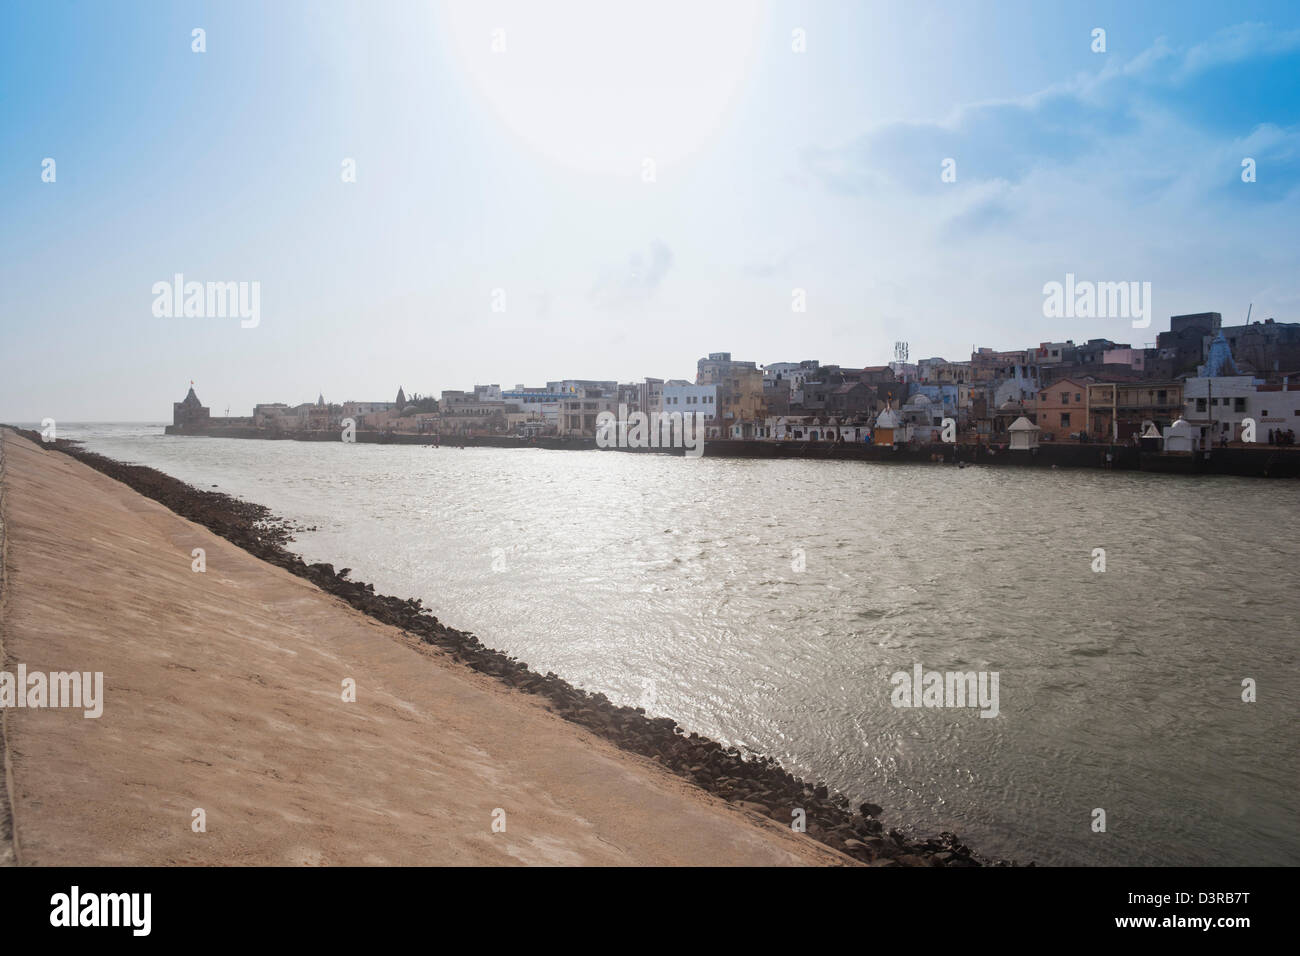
(606, 87)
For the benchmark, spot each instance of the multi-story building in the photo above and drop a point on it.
(1126, 355)
(1224, 402)
(988, 365)
(921, 418)
(535, 405)
(790, 374)
(1061, 409)
(939, 371)
(1184, 343)
(877, 375)
(651, 398)
(272, 415)
(468, 413)
(1093, 352)
(574, 386)
(783, 384)
(577, 413)
(1119, 410)
(904, 371)
(1054, 353)
(739, 394)
(1261, 347)
(700, 401)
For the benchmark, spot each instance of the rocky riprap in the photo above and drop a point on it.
(756, 783)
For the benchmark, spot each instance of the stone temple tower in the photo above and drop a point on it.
(190, 411)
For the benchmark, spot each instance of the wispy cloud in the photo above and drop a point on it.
(636, 281)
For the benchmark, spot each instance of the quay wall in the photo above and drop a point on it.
(1265, 462)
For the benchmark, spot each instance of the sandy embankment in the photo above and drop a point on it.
(223, 691)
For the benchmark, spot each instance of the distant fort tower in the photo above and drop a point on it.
(192, 417)
(190, 412)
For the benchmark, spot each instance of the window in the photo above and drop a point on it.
(1065, 419)
(1264, 413)
(1238, 404)
(1065, 398)
(1077, 398)
(1200, 404)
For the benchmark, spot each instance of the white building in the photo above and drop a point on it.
(1182, 436)
(1024, 433)
(1224, 402)
(790, 376)
(809, 428)
(698, 400)
(536, 405)
(922, 419)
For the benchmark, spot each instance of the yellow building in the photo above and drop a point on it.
(740, 406)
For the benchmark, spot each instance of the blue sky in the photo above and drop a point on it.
(524, 170)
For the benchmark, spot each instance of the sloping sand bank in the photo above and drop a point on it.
(223, 691)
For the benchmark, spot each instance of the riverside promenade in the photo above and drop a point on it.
(223, 692)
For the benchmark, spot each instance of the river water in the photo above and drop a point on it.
(766, 604)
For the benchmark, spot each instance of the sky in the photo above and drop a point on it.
(613, 190)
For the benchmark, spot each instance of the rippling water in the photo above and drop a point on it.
(671, 583)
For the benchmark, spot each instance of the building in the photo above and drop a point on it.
(812, 428)
(190, 412)
(1093, 352)
(888, 428)
(988, 365)
(1024, 434)
(535, 406)
(921, 419)
(651, 398)
(1264, 348)
(739, 394)
(473, 413)
(1118, 411)
(1061, 409)
(700, 401)
(1125, 355)
(1223, 403)
(1182, 437)
(1184, 344)
(789, 375)
(273, 415)
(1054, 353)
(904, 371)
(574, 387)
(937, 371)
(1020, 385)
(578, 412)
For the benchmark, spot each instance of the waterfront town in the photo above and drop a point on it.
(1202, 385)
